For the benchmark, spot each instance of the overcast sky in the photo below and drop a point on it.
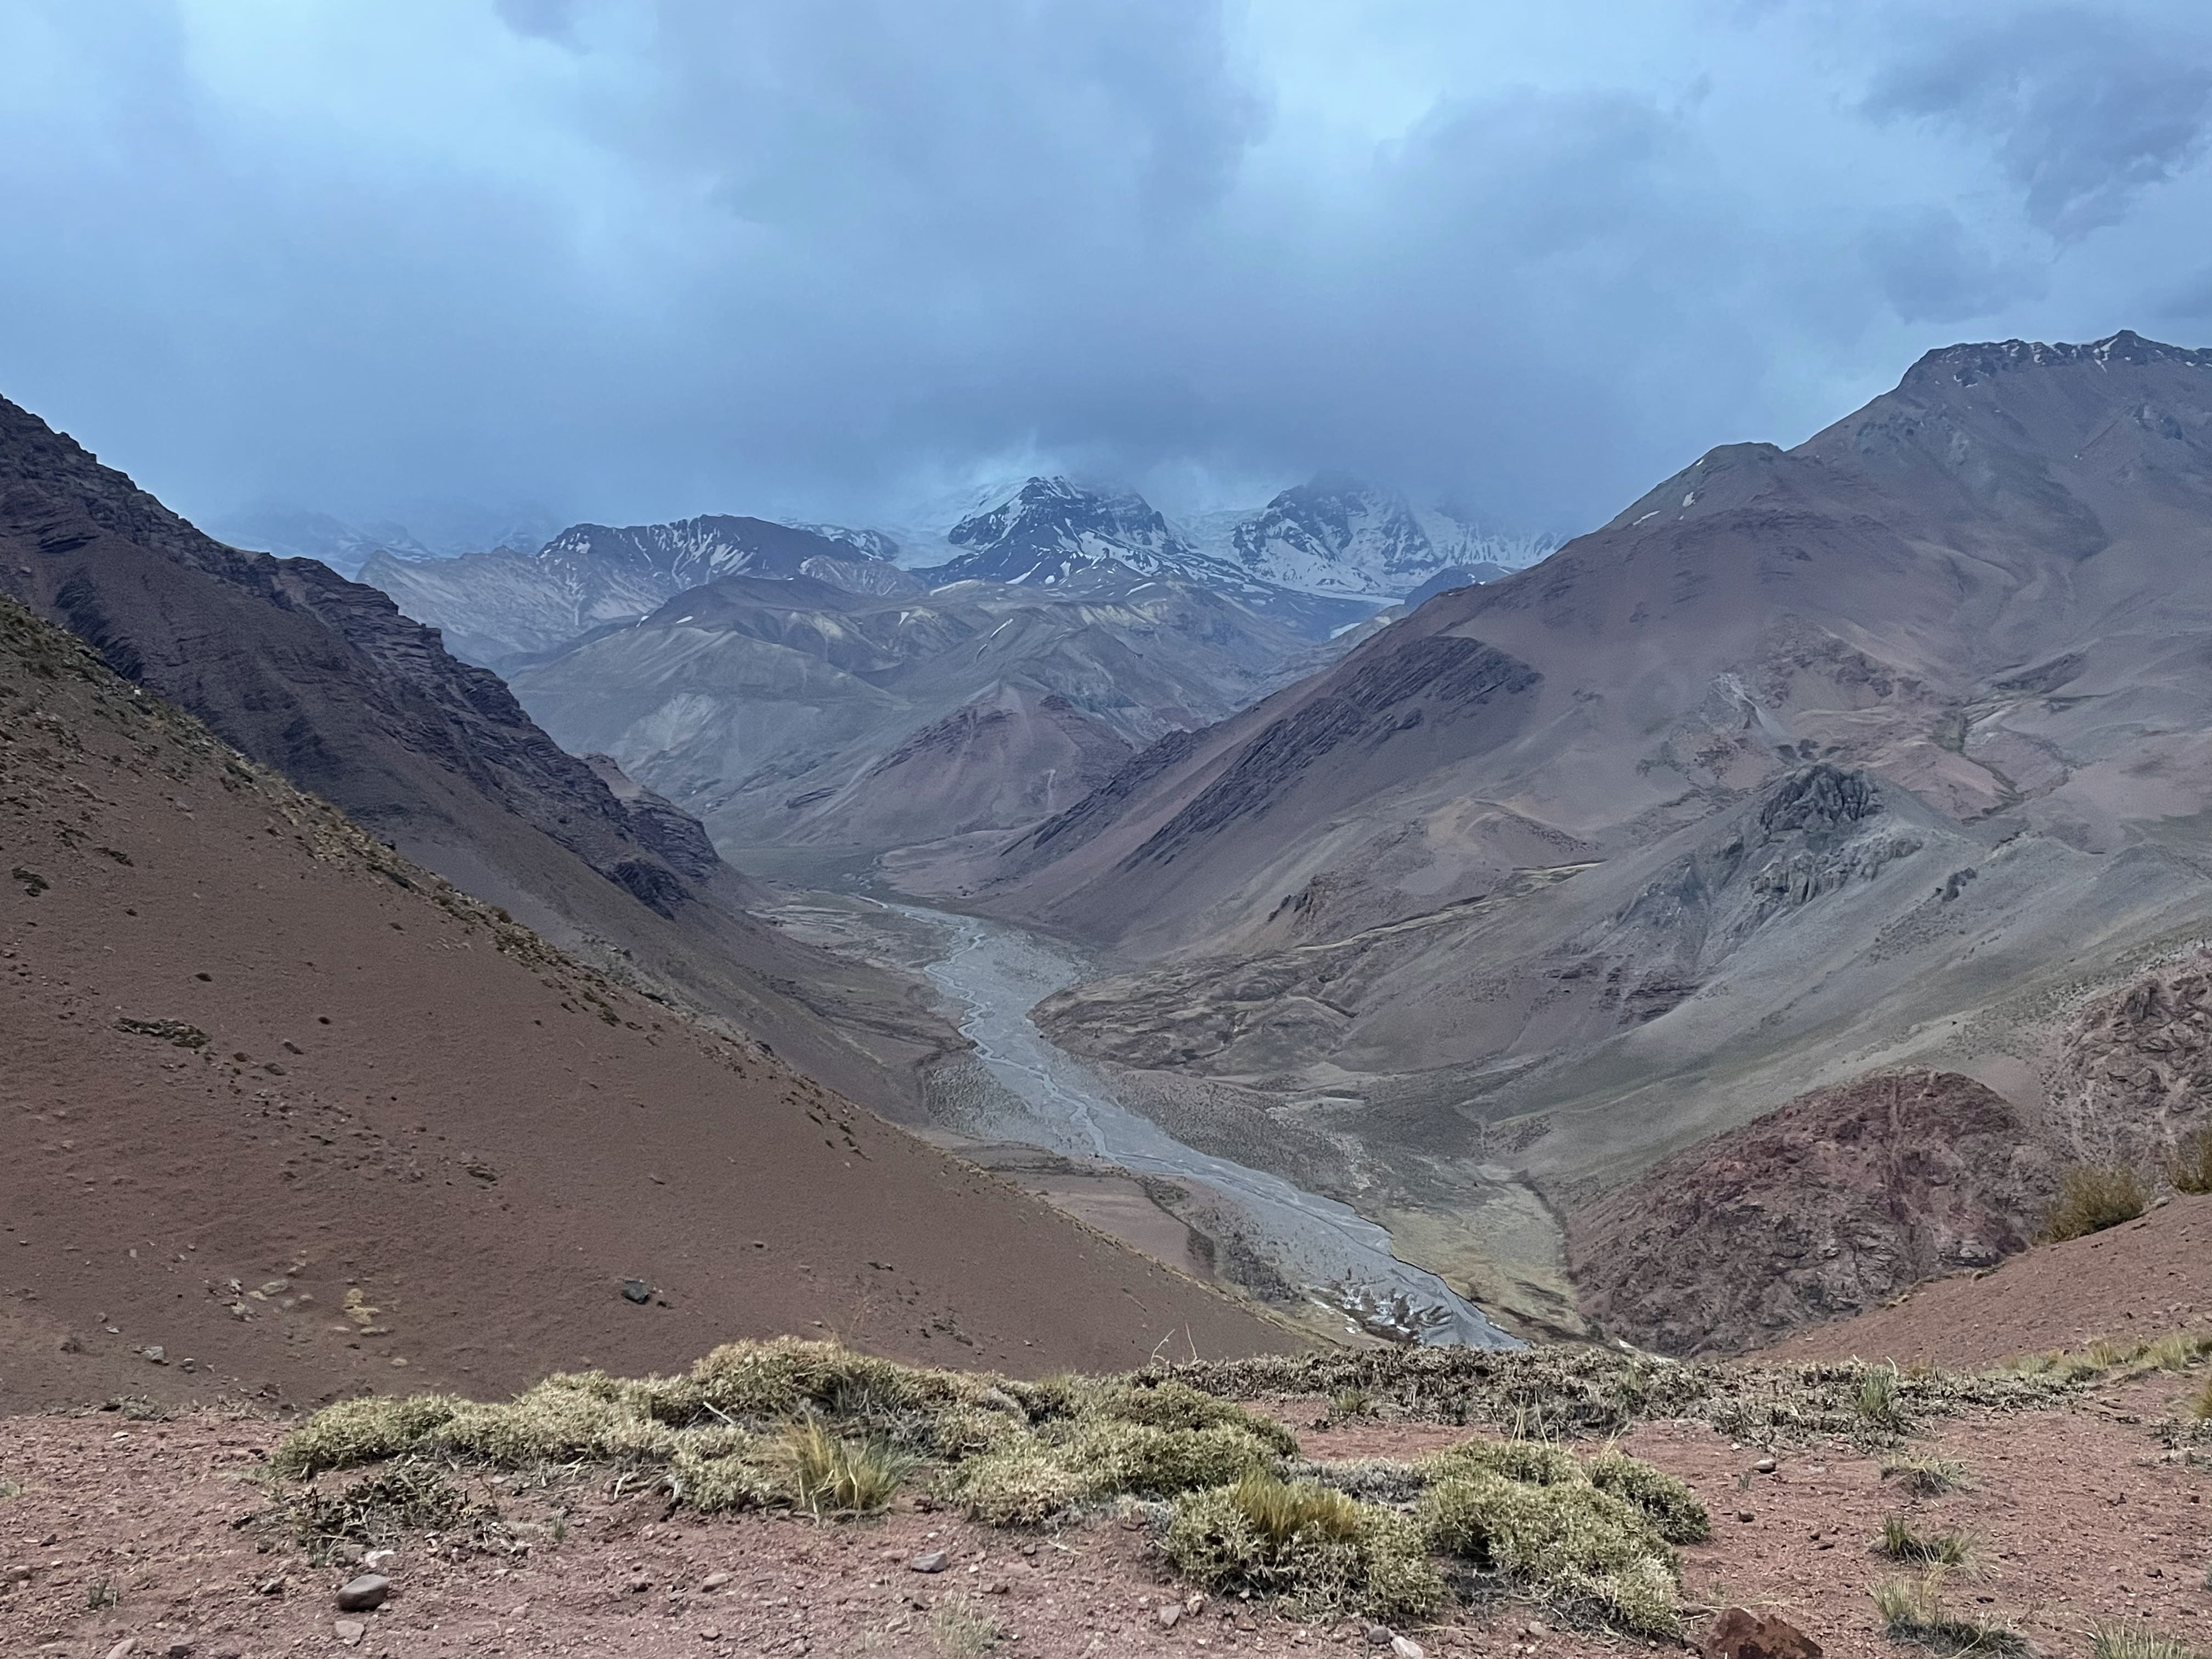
(647, 257)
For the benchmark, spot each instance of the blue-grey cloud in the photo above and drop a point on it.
(2086, 106)
(641, 257)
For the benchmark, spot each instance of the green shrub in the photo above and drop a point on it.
(1139, 1460)
(1566, 1541)
(2093, 1197)
(1673, 1509)
(1169, 1404)
(1018, 1484)
(1323, 1551)
(357, 1432)
(1538, 1462)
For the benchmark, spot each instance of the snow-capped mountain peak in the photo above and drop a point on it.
(1051, 530)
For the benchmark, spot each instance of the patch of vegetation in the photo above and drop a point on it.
(102, 1594)
(2200, 1403)
(831, 1476)
(1924, 1476)
(1874, 1401)
(814, 1427)
(961, 1629)
(818, 1427)
(1942, 1549)
(1560, 1392)
(1674, 1510)
(2175, 1351)
(2093, 1197)
(1912, 1610)
(2189, 1169)
(1317, 1548)
(1534, 1515)
(1348, 1403)
(2136, 1642)
(381, 1508)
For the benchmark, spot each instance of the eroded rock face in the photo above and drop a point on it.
(1825, 1208)
(2135, 1071)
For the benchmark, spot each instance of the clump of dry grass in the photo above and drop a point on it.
(2189, 1169)
(1942, 1549)
(407, 1495)
(1923, 1475)
(2093, 1197)
(831, 1476)
(961, 1629)
(2123, 1641)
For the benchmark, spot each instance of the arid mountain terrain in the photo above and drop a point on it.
(324, 682)
(784, 711)
(1879, 752)
(292, 1116)
(509, 604)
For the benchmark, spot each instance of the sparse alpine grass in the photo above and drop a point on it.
(1942, 1549)
(1875, 1399)
(1912, 1609)
(2093, 1197)
(2130, 1641)
(961, 1629)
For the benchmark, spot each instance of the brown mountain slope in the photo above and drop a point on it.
(1866, 754)
(2133, 1282)
(322, 679)
(282, 1103)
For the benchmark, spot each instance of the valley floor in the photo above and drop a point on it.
(117, 1529)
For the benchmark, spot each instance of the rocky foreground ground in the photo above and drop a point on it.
(123, 1534)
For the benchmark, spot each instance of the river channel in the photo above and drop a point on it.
(993, 974)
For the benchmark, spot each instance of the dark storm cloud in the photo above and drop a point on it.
(637, 259)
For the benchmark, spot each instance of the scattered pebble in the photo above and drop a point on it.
(928, 1561)
(349, 1631)
(1169, 1616)
(715, 1581)
(1764, 1466)
(1405, 1647)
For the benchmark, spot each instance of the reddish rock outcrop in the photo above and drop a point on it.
(1825, 1208)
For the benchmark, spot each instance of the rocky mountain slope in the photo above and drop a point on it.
(500, 607)
(292, 1114)
(786, 711)
(1870, 752)
(325, 681)
(1826, 1207)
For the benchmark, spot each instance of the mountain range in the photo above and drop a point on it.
(1810, 761)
